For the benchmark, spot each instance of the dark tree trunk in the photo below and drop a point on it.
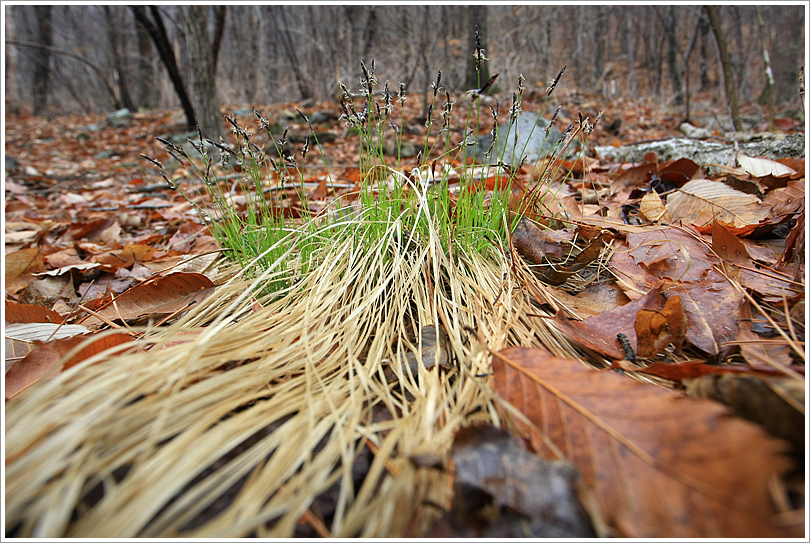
(42, 58)
(477, 18)
(725, 61)
(703, 28)
(789, 56)
(203, 82)
(158, 34)
(115, 52)
(631, 60)
(219, 30)
(670, 20)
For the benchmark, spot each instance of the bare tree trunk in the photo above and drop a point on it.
(286, 41)
(705, 82)
(725, 61)
(477, 70)
(158, 34)
(203, 80)
(118, 65)
(631, 60)
(769, 84)
(148, 95)
(219, 30)
(579, 54)
(670, 21)
(11, 76)
(790, 54)
(42, 58)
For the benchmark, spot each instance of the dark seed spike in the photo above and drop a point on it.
(304, 116)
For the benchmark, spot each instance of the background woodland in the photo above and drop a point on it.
(99, 58)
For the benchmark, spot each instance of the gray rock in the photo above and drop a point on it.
(12, 163)
(532, 141)
(320, 117)
(406, 149)
(119, 119)
(105, 154)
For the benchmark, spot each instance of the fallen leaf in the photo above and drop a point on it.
(691, 370)
(656, 329)
(758, 351)
(653, 208)
(712, 309)
(166, 294)
(761, 167)
(16, 312)
(45, 360)
(727, 246)
(533, 243)
(701, 201)
(598, 333)
(19, 265)
(775, 403)
(658, 465)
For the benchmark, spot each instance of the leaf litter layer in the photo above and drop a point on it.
(305, 411)
(135, 432)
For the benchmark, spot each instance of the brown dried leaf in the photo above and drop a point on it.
(727, 246)
(701, 201)
(655, 330)
(19, 266)
(167, 294)
(712, 310)
(776, 404)
(16, 312)
(659, 465)
(653, 208)
(598, 333)
(45, 360)
(533, 243)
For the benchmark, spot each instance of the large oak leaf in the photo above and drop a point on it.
(659, 465)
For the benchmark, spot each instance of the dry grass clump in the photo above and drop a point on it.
(238, 417)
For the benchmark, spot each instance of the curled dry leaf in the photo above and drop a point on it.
(533, 243)
(598, 333)
(658, 465)
(45, 360)
(653, 208)
(656, 329)
(701, 201)
(762, 167)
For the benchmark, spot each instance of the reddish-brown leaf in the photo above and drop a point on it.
(45, 360)
(659, 465)
(598, 333)
(656, 329)
(712, 309)
(16, 312)
(167, 294)
(727, 246)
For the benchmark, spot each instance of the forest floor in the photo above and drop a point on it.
(88, 221)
